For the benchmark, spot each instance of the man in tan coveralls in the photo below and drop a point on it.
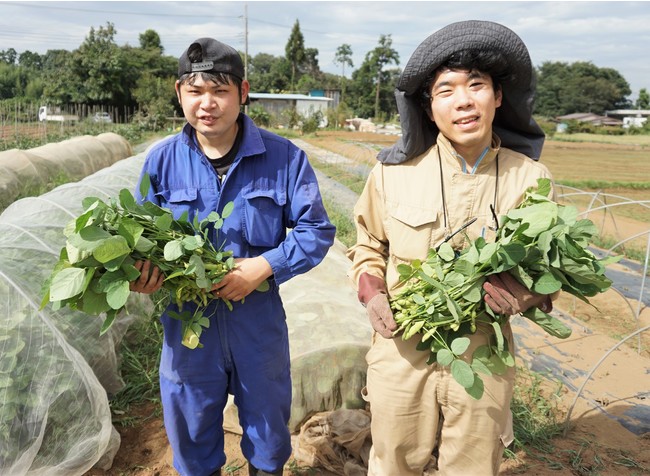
(469, 143)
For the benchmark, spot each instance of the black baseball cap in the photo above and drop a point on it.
(216, 57)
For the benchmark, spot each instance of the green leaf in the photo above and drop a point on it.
(479, 366)
(127, 201)
(487, 252)
(427, 269)
(108, 322)
(192, 243)
(145, 185)
(417, 298)
(547, 284)
(144, 245)
(111, 248)
(404, 270)
(549, 323)
(117, 294)
(454, 279)
(511, 254)
(264, 286)
(227, 210)
(89, 238)
(94, 303)
(496, 365)
(154, 210)
(498, 333)
(164, 222)
(477, 389)
(131, 230)
(446, 252)
(459, 345)
(130, 272)
(444, 357)
(173, 250)
(474, 293)
(67, 283)
(462, 373)
(507, 358)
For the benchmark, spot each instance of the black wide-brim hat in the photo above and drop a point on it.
(513, 121)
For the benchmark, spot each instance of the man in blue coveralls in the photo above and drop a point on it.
(220, 156)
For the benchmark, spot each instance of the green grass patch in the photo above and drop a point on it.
(140, 353)
(346, 232)
(603, 184)
(341, 174)
(535, 414)
(642, 140)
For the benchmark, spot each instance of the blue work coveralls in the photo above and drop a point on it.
(245, 351)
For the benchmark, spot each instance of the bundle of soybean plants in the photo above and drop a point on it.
(541, 243)
(96, 264)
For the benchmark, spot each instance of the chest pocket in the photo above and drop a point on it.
(263, 222)
(412, 230)
(179, 200)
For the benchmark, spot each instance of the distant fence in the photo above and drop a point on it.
(21, 129)
(22, 112)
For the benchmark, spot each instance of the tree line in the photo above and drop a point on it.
(101, 73)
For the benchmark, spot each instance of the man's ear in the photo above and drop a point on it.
(177, 87)
(498, 97)
(245, 89)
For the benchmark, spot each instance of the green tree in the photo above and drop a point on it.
(61, 85)
(343, 57)
(155, 97)
(382, 55)
(100, 66)
(8, 56)
(564, 88)
(150, 39)
(268, 73)
(30, 60)
(310, 64)
(643, 101)
(295, 50)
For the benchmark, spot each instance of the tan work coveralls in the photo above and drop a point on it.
(417, 407)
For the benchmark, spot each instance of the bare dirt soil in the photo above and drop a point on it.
(594, 445)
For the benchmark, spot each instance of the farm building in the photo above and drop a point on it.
(630, 117)
(305, 105)
(588, 118)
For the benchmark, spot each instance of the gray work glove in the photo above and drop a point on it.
(381, 315)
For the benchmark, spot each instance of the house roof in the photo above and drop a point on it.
(591, 118)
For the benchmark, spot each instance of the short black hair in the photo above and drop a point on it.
(493, 63)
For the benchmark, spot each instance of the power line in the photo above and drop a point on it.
(116, 12)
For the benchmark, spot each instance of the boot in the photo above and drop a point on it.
(253, 471)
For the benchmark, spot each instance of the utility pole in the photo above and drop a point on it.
(246, 47)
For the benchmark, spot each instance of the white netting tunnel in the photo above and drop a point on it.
(75, 158)
(56, 370)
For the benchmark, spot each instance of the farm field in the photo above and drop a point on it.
(591, 448)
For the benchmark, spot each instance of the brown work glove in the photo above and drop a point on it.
(505, 295)
(374, 296)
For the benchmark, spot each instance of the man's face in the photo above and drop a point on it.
(463, 104)
(211, 108)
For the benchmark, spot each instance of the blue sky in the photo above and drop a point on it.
(613, 34)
